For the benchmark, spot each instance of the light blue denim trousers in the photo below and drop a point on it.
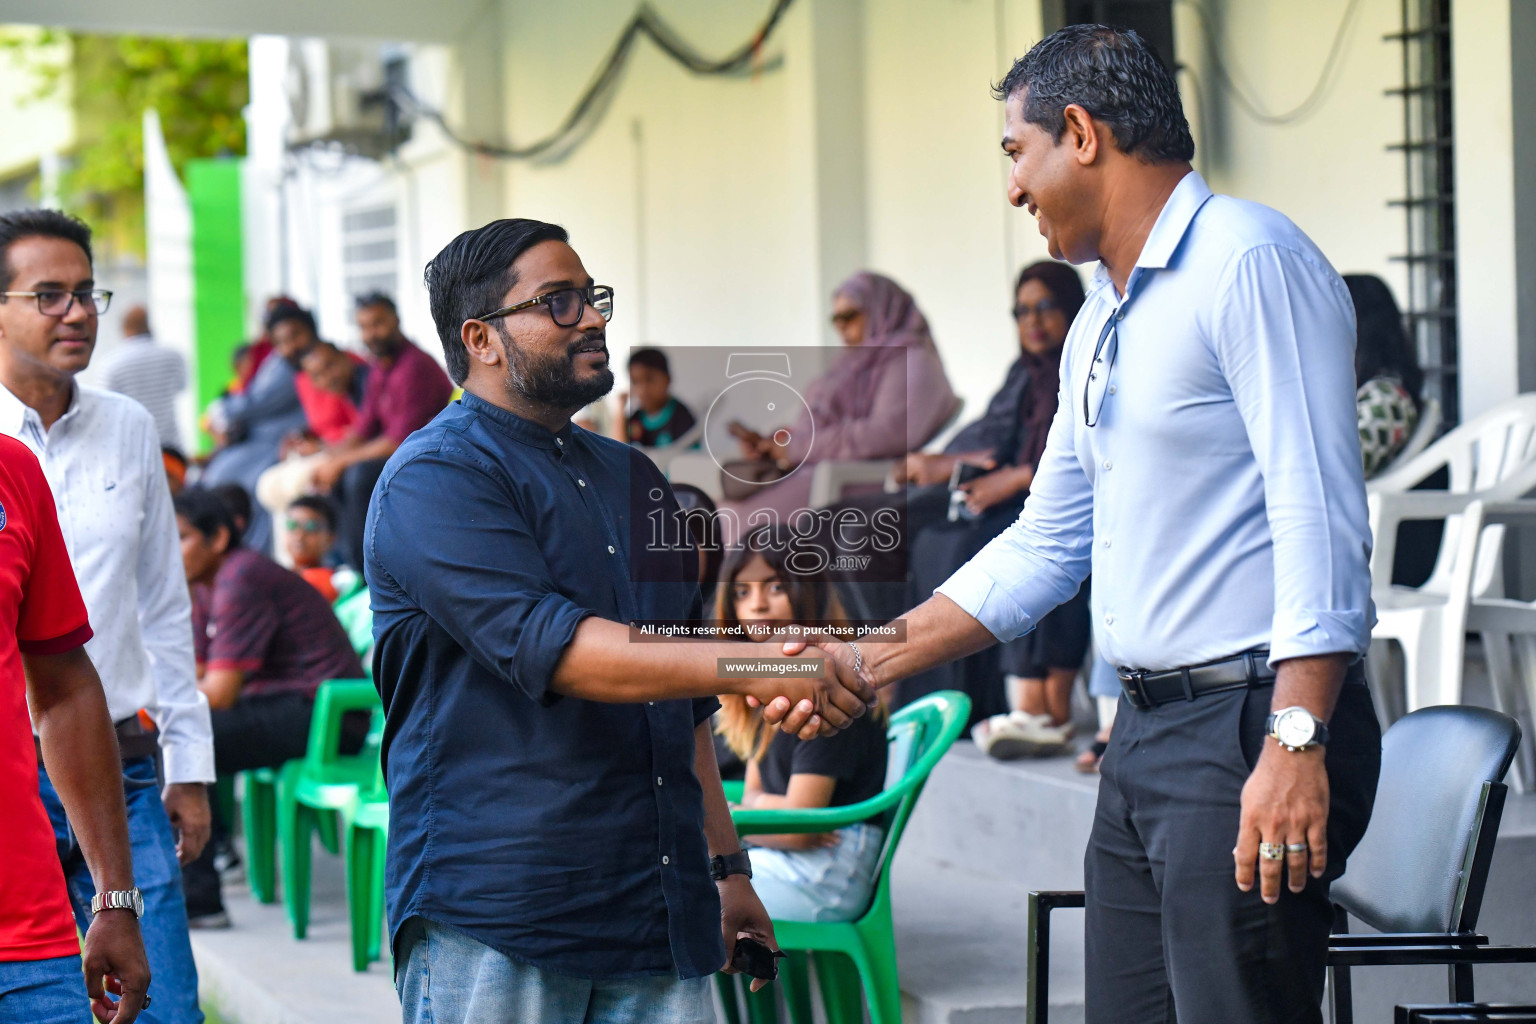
(44, 992)
(445, 977)
(173, 984)
(831, 883)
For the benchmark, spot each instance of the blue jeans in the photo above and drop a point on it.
(445, 977)
(44, 992)
(158, 876)
(830, 883)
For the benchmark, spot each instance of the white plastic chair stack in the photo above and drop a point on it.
(1491, 459)
(830, 479)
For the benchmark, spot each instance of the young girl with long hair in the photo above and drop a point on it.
(799, 877)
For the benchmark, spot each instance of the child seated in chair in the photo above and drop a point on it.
(309, 538)
(800, 877)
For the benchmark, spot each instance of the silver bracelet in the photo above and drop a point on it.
(858, 658)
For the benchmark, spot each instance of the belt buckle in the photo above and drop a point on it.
(1134, 685)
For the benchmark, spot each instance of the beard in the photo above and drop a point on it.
(550, 380)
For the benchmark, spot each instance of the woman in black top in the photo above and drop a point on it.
(800, 877)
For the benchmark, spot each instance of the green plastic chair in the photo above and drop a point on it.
(259, 801)
(855, 956)
(311, 790)
(365, 824)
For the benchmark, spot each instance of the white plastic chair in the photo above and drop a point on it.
(1430, 418)
(664, 455)
(1507, 629)
(1490, 459)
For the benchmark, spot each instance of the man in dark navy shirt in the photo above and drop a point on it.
(555, 801)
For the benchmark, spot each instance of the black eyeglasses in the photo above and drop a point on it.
(1042, 309)
(58, 303)
(566, 306)
(1099, 371)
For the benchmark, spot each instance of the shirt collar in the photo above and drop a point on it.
(14, 413)
(526, 431)
(1171, 226)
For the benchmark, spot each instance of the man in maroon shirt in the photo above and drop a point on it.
(265, 640)
(406, 388)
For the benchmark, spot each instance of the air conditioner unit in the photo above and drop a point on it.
(338, 97)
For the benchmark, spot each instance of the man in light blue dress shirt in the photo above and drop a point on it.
(1204, 464)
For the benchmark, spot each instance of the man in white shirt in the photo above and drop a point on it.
(101, 455)
(149, 373)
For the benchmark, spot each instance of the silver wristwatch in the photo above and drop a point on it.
(119, 899)
(1296, 729)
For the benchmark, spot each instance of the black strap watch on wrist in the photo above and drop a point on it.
(738, 863)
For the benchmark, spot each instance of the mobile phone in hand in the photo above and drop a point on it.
(755, 960)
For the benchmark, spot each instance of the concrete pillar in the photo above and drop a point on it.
(1496, 189)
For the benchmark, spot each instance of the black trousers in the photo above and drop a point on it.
(1169, 935)
(350, 496)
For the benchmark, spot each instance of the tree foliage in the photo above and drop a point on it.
(199, 86)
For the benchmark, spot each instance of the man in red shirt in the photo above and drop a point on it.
(44, 663)
(406, 388)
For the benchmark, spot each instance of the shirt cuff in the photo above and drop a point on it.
(58, 644)
(187, 762)
(545, 635)
(979, 596)
(1307, 634)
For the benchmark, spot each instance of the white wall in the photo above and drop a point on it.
(724, 210)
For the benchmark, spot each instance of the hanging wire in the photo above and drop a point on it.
(645, 22)
(1307, 107)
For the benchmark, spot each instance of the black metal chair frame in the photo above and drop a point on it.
(1460, 950)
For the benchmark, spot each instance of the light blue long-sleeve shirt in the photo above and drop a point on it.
(1218, 499)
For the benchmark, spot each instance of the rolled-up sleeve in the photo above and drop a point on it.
(1285, 338)
(1043, 557)
(483, 579)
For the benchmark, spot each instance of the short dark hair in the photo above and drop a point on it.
(471, 274)
(34, 224)
(370, 299)
(1382, 346)
(238, 501)
(654, 358)
(1117, 77)
(1063, 282)
(320, 505)
(288, 311)
(205, 511)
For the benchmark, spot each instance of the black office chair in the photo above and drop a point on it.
(1419, 872)
(1478, 1013)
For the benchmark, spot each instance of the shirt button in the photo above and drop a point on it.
(1109, 620)
(1108, 464)
(1119, 314)
(1106, 542)
(665, 859)
(581, 481)
(610, 549)
(658, 780)
(651, 703)
(560, 442)
(1113, 389)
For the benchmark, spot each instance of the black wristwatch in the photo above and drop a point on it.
(737, 863)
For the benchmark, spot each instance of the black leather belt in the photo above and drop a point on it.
(1149, 689)
(133, 740)
(1251, 668)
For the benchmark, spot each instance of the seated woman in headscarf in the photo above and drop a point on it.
(1046, 661)
(886, 395)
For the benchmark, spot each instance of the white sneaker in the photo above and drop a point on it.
(1021, 734)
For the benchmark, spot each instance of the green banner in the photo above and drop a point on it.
(218, 277)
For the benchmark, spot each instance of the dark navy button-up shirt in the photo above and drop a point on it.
(565, 833)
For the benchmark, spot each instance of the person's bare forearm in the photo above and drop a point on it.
(938, 630)
(1312, 683)
(719, 832)
(80, 750)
